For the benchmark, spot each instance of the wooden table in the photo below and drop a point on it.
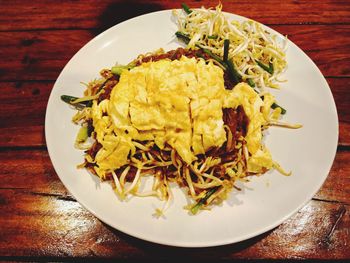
(40, 220)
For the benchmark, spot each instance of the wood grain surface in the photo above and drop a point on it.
(41, 221)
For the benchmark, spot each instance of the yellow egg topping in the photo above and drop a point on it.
(176, 103)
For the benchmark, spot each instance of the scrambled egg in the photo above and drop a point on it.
(179, 103)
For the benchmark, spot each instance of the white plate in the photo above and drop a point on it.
(263, 204)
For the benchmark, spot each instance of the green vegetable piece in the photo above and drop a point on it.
(215, 57)
(186, 8)
(117, 70)
(251, 83)
(185, 38)
(268, 68)
(271, 68)
(213, 37)
(70, 100)
(198, 54)
(82, 134)
(226, 48)
(201, 202)
(233, 73)
(275, 105)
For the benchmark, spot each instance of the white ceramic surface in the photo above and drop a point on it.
(263, 203)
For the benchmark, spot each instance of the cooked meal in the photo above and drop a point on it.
(189, 116)
(257, 56)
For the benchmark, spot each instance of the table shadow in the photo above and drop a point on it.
(118, 12)
(158, 251)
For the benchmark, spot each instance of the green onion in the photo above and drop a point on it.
(275, 105)
(271, 67)
(233, 73)
(186, 8)
(82, 134)
(70, 100)
(228, 65)
(213, 37)
(213, 56)
(185, 38)
(268, 68)
(251, 83)
(202, 201)
(198, 54)
(117, 70)
(226, 48)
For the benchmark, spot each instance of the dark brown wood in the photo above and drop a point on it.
(341, 94)
(29, 170)
(23, 100)
(18, 15)
(42, 225)
(38, 55)
(41, 221)
(41, 55)
(325, 51)
(25, 135)
(335, 188)
(34, 201)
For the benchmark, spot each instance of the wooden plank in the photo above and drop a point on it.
(23, 136)
(30, 170)
(318, 231)
(324, 50)
(22, 166)
(335, 188)
(22, 113)
(22, 100)
(38, 55)
(19, 15)
(341, 94)
(46, 226)
(41, 55)
(23, 106)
